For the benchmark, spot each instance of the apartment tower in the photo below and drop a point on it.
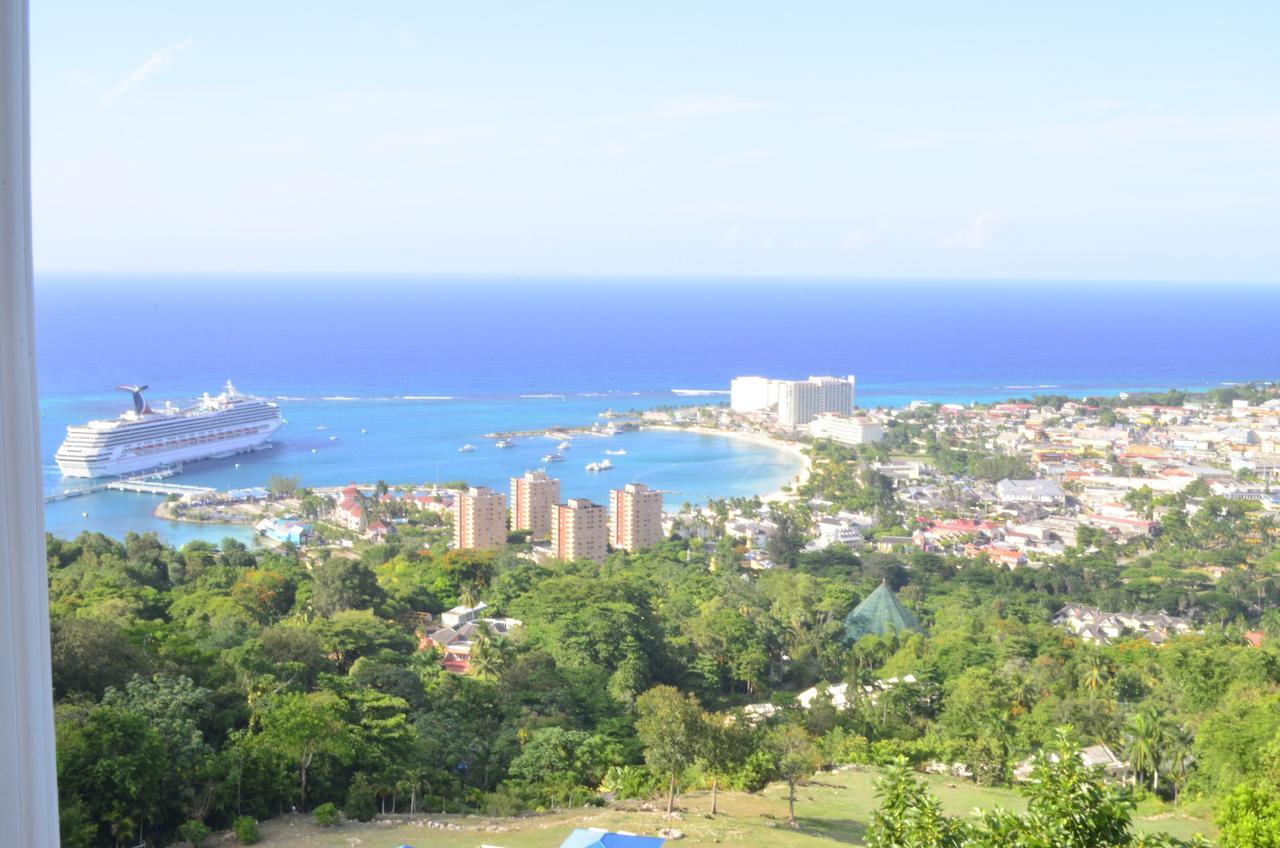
(533, 497)
(579, 530)
(637, 517)
(479, 519)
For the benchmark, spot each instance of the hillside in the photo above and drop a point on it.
(833, 811)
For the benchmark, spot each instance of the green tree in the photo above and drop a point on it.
(305, 728)
(796, 757)
(726, 742)
(669, 726)
(1250, 818)
(908, 815)
(282, 486)
(1145, 742)
(344, 584)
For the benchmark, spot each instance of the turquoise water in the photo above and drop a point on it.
(417, 441)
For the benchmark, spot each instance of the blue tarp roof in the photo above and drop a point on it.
(600, 839)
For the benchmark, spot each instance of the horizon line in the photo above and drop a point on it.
(587, 276)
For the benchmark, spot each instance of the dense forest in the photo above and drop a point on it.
(220, 684)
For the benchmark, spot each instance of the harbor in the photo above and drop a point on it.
(146, 484)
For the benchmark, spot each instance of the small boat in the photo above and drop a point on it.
(363, 431)
(606, 465)
(593, 466)
(618, 452)
(313, 450)
(333, 438)
(553, 457)
(84, 515)
(504, 443)
(563, 446)
(237, 465)
(466, 449)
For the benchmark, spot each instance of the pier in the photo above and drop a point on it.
(146, 484)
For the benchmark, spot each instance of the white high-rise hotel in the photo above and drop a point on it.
(798, 401)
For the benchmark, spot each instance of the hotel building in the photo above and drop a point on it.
(799, 402)
(479, 519)
(752, 394)
(533, 497)
(579, 530)
(846, 429)
(637, 517)
(835, 394)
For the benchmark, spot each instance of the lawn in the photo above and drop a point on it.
(833, 811)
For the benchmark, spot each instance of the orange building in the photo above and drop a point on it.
(637, 517)
(533, 498)
(480, 519)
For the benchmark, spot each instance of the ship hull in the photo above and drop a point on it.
(126, 461)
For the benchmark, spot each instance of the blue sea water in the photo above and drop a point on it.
(426, 364)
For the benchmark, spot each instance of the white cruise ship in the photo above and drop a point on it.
(144, 438)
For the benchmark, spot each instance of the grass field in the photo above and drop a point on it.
(833, 811)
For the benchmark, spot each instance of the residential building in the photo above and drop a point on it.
(1030, 491)
(579, 530)
(636, 517)
(479, 518)
(799, 402)
(349, 512)
(533, 497)
(846, 429)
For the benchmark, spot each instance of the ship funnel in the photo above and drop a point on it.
(139, 405)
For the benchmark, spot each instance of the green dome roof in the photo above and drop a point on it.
(880, 612)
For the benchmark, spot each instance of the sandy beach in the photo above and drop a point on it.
(793, 448)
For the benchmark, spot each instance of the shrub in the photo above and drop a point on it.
(503, 803)
(326, 815)
(246, 830)
(631, 782)
(362, 801)
(756, 772)
(194, 831)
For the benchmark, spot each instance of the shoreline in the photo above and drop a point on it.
(762, 440)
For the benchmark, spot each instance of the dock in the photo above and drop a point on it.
(146, 484)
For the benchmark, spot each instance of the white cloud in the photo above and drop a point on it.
(154, 63)
(975, 236)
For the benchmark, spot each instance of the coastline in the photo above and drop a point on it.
(760, 439)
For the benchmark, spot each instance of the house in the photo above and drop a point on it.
(839, 692)
(1098, 627)
(283, 530)
(378, 531)
(1044, 492)
(349, 512)
(455, 641)
(1101, 757)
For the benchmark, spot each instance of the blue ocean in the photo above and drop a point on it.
(404, 370)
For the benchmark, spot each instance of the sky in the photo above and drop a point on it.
(1019, 141)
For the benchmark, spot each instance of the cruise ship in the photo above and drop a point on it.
(144, 439)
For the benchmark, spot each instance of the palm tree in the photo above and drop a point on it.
(1095, 674)
(1145, 743)
(1178, 741)
(468, 597)
(488, 654)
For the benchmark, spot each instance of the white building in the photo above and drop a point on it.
(1030, 491)
(846, 429)
(836, 394)
(799, 402)
(751, 394)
